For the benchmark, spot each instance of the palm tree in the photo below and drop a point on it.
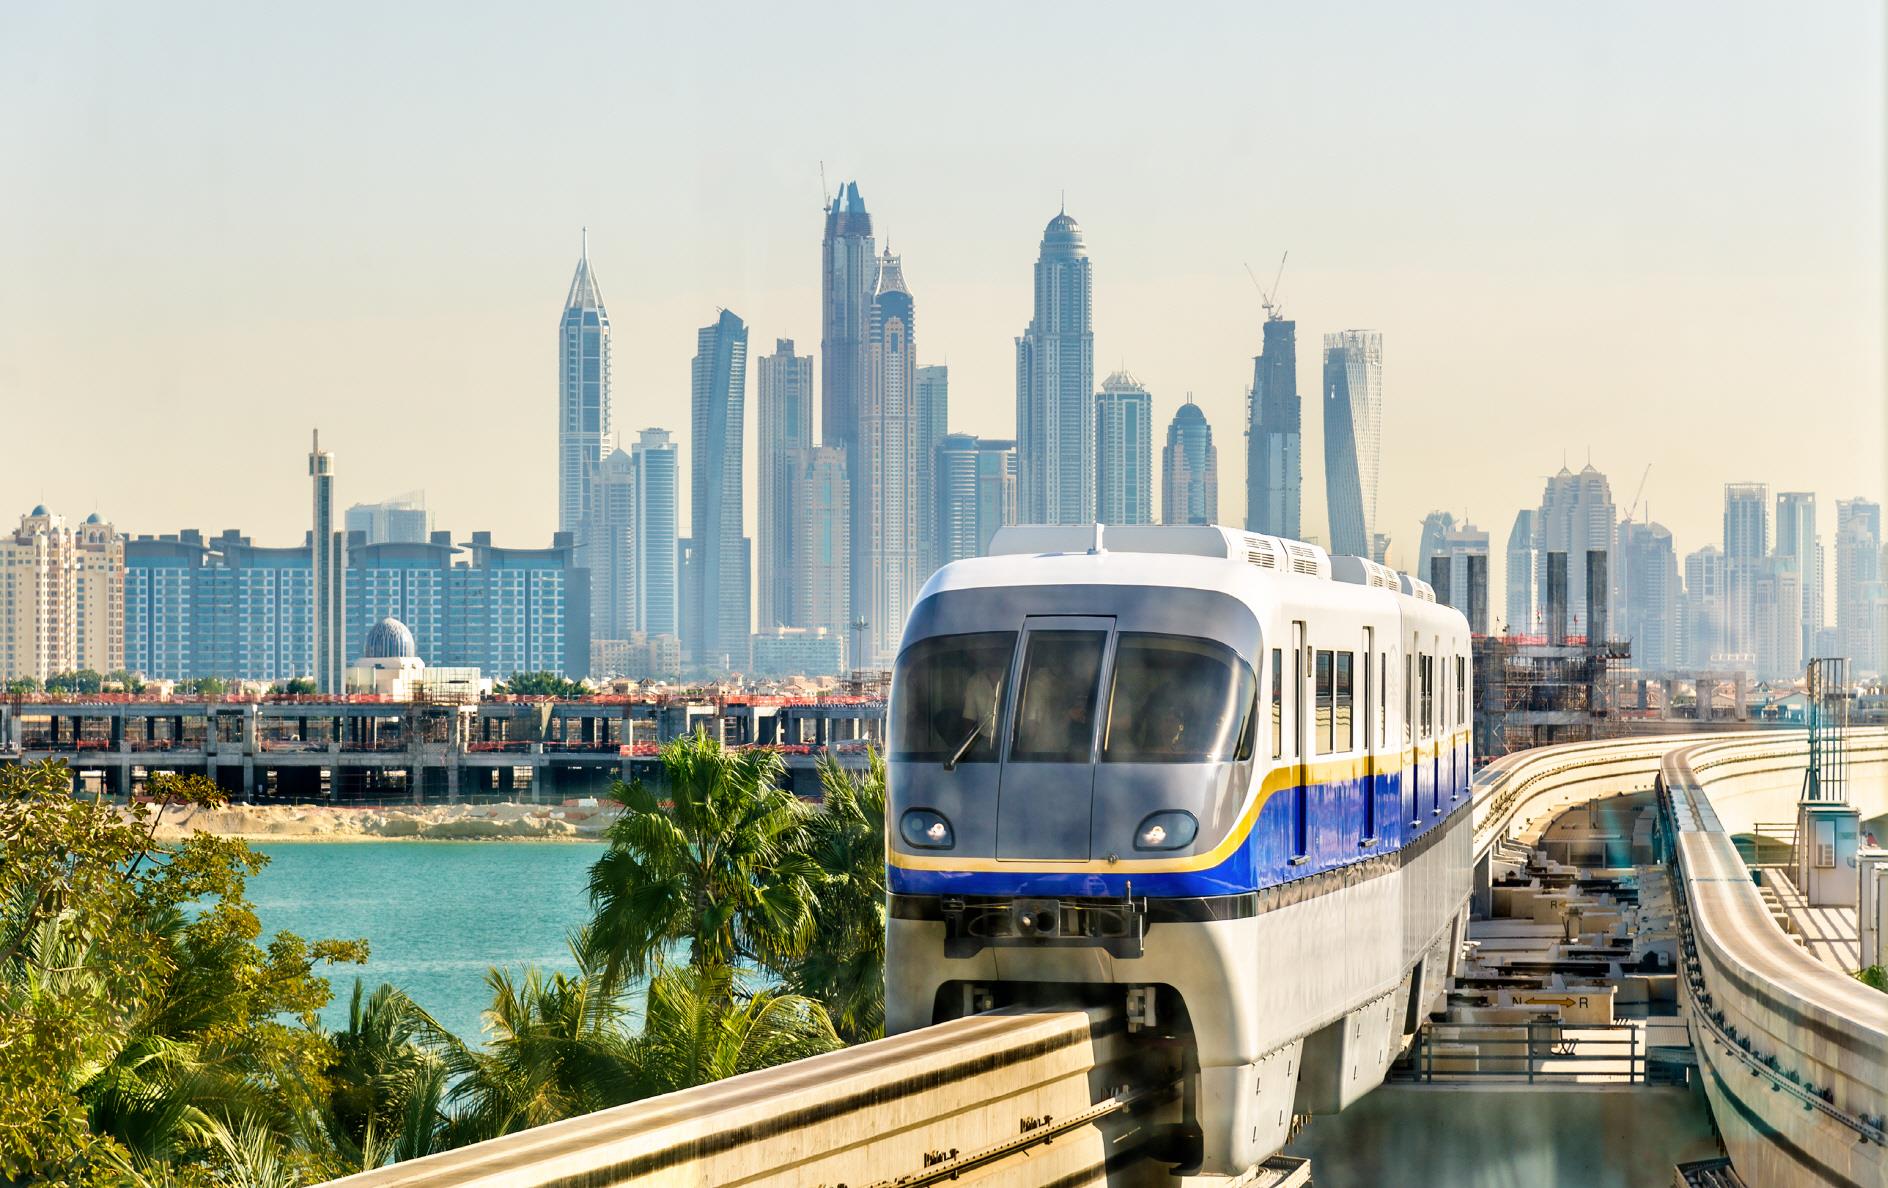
(556, 1049)
(700, 1025)
(843, 965)
(382, 1078)
(723, 868)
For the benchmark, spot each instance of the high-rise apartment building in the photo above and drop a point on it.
(716, 609)
(884, 510)
(1189, 466)
(1273, 423)
(1576, 516)
(976, 493)
(1457, 569)
(225, 607)
(1777, 620)
(1649, 595)
(1746, 551)
(1055, 384)
(1521, 576)
(655, 464)
(328, 629)
(583, 392)
(784, 408)
(1353, 432)
(402, 519)
(848, 276)
(1859, 586)
(607, 547)
(1797, 544)
(930, 418)
(820, 495)
(1124, 451)
(1704, 608)
(62, 597)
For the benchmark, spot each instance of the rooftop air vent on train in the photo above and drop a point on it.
(1193, 540)
(1362, 571)
(1417, 588)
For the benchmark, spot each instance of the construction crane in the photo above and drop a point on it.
(1627, 518)
(1269, 300)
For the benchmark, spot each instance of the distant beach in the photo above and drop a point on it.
(453, 822)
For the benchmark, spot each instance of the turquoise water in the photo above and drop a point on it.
(437, 915)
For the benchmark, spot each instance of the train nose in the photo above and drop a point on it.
(1036, 917)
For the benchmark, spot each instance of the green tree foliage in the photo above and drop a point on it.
(301, 686)
(1875, 976)
(724, 866)
(141, 1022)
(24, 686)
(125, 680)
(540, 684)
(82, 681)
(843, 964)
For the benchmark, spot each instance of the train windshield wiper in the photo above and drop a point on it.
(963, 748)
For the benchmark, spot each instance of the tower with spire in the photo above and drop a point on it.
(1055, 385)
(583, 392)
(848, 272)
(884, 472)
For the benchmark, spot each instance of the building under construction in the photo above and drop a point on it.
(1533, 690)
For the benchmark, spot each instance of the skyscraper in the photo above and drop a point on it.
(654, 462)
(1273, 424)
(1649, 596)
(402, 519)
(1055, 385)
(976, 493)
(785, 398)
(62, 597)
(1436, 528)
(1704, 608)
(1124, 451)
(583, 391)
(717, 607)
(1859, 584)
(329, 563)
(1746, 548)
(1353, 431)
(1521, 576)
(929, 421)
(821, 500)
(608, 548)
(1458, 571)
(848, 272)
(1576, 516)
(884, 528)
(1797, 543)
(1189, 469)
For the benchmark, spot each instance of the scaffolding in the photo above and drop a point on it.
(1828, 712)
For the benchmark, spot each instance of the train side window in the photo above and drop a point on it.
(1461, 690)
(1278, 703)
(1326, 703)
(1427, 669)
(1383, 697)
(1409, 698)
(1341, 736)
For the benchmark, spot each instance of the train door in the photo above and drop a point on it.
(1045, 791)
(1369, 737)
(1300, 747)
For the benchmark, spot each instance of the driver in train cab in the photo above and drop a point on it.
(1167, 726)
(980, 696)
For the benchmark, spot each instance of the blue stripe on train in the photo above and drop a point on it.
(1334, 839)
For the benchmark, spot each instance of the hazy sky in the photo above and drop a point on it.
(1654, 232)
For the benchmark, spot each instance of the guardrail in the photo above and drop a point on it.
(1545, 1052)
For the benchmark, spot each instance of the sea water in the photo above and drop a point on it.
(436, 915)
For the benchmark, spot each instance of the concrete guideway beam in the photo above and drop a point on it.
(857, 1116)
(1794, 1053)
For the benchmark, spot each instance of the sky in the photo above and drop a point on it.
(1648, 235)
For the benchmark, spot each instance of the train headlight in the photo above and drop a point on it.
(1170, 830)
(926, 830)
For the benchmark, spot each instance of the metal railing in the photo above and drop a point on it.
(1543, 1052)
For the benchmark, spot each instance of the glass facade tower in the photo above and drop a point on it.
(583, 392)
(1353, 432)
(1055, 385)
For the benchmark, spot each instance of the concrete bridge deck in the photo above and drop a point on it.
(1793, 1053)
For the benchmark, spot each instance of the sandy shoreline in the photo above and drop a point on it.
(457, 822)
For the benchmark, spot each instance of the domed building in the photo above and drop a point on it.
(390, 666)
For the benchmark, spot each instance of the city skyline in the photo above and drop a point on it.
(402, 320)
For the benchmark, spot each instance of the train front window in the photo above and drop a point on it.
(1055, 720)
(950, 697)
(1178, 700)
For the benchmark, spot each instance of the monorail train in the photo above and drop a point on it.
(1223, 776)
